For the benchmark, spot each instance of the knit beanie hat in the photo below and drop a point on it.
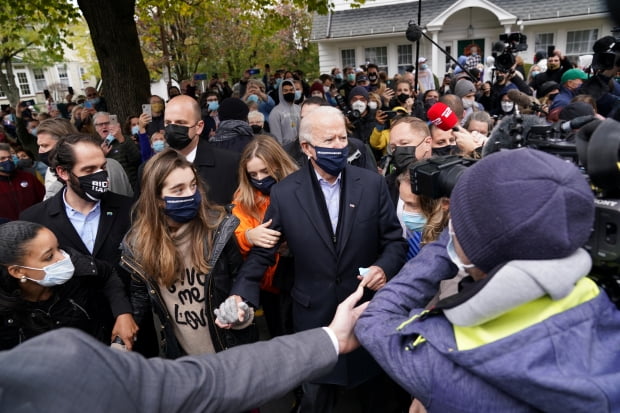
(316, 86)
(358, 91)
(233, 108)
(521, 204)
(464, 87)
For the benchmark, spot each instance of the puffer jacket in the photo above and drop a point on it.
(225, 262)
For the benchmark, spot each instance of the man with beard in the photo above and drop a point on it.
(84, 214)
(556, 66)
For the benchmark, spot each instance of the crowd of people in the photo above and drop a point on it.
(169, 232)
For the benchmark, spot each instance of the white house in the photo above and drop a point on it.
(56, 78)
(375, 32)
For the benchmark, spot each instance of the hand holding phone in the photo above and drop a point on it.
(113, 120)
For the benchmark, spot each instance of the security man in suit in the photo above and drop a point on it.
(340, 224)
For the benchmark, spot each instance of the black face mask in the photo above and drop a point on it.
(289, 97)
(403, 156)
(177, 136)
(44, 157)
(372, 77)
(402, 98)
(444, 150)
(25, 163)
(256, 129)
(90, 187)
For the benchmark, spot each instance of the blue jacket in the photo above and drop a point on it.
(566, 362)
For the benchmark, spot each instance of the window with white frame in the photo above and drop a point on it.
(348, 57)
(405, 57)
(376, 55)
(580, 41)
(63, 76)
(39, 80)
(24, 85)
(543, 41)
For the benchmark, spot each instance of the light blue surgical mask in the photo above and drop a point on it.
(414, 221)
(297, 95)
(213, 106)
(253, 98)
(33, 131)
(456, 260)
(158, 146)
(55, 274)
(135, 130)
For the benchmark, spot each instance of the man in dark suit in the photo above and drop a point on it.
(339, 222)
(218, 167)
(92, 221)
(84, 215)
(43, 371)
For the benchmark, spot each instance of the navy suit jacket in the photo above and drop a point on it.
(113, 224)
(326, 271)
(219, 169)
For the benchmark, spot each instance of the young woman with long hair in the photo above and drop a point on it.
(263, 164)
(183, 256)
(43, 287)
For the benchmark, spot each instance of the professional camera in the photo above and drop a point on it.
(436, 177)
(607, 51)
(505, 50)
(595, 149)
(351, 114)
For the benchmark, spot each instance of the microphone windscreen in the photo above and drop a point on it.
(442, 116)
(519, 98)
(414, 32)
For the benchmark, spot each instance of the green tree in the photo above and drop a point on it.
(34, 31)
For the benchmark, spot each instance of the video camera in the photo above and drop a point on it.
(352, 115)
(436, 177)
(595, 149)
(505, 50)
(607, 51)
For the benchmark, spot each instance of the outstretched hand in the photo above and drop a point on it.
(344, 321)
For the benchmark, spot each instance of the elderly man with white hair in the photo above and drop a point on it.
(340, 224)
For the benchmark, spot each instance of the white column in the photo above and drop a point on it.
(507, 28)
(436, 56)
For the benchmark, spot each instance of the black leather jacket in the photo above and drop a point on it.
(225, 262)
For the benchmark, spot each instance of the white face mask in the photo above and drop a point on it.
(55, 274)
(456, 260)
(468, 102)
(507, 106)
(359, 106)
(326, 89)
(372, 105)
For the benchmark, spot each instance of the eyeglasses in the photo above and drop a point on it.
(99, 125)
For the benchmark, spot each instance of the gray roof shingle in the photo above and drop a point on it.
(394, 17)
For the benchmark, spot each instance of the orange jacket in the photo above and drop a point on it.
(249, 222)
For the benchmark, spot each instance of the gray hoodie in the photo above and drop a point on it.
(284, 118)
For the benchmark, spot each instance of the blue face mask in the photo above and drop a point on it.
(213, 106)
(351, 77)
(7, 166)
(15, 159)
(414, 221)
(135, 130)
(297, 95)
(264, 185)
(55, 274)
(158, 146)
(33, 131)
(182, 209)
(95, 101)
(331, 160)
(252, 98)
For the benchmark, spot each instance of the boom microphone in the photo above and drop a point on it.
(524, 100)
(414, 32)
(576, 123)
(442, 116)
